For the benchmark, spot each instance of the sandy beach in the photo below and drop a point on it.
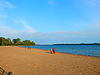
(23, 61)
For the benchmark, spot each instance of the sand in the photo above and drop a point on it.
(23, 61)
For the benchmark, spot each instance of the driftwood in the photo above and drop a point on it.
(3, 72)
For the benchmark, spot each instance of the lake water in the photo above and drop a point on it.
(85, 50)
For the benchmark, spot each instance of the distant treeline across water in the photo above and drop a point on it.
(80, 44)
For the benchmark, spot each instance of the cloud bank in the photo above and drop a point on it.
(89, 36)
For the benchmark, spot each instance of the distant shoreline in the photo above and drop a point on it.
(80, 44)
(73, 44)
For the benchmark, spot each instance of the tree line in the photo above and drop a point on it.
(15, 42)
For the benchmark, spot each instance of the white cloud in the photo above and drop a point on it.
(51, 37)
(52, 2)
(5, 4)
(27, 27)
(8, 32)
(92, 2)
(87, 36)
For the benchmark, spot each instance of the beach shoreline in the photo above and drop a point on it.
(24, 61)
(62, 53)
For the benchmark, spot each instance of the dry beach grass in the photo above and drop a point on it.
(23, 61)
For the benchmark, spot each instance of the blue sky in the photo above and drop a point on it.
(51, 21)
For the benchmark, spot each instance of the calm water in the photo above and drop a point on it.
(87, 50)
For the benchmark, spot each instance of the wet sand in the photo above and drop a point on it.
(23, 61)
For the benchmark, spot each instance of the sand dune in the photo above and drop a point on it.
(23, 61)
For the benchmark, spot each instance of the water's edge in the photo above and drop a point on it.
(87, 50)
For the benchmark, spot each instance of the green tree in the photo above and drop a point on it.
(1, 41)
(10, 42)
(16, 41)
(33, 43)
(4, 42)
(28, 43)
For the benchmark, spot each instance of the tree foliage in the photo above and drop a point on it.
(16, 42)
(28, 43)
